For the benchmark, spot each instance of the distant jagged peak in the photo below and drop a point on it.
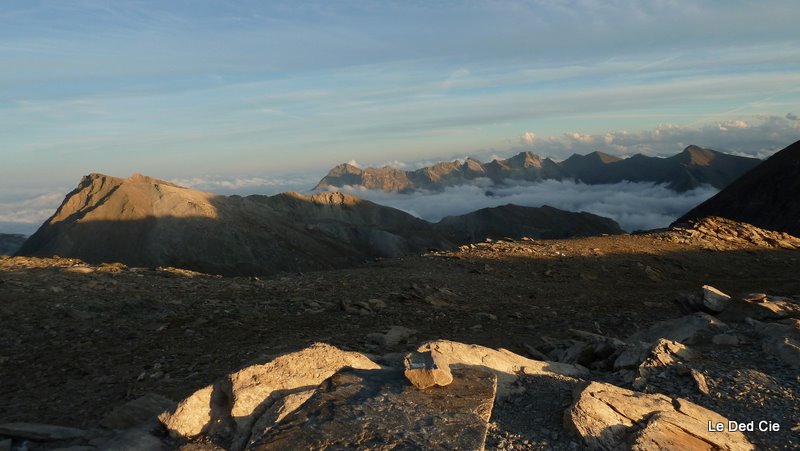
(689, 169)
(602, 157)
(525, 159)
(473, 165)
(698, 156)
(345, 169)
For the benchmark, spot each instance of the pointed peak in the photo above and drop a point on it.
(697, 155)
(604, 157)
(596, 155)
(525, 158)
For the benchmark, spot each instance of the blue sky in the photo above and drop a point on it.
(257, 90)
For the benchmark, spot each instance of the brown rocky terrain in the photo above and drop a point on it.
(141, 221)
(612, 342)
(693, 167)
(765, 196)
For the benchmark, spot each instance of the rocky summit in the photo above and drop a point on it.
(693, 167)
(685, 338)
(145, 222)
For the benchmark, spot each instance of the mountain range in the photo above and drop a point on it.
(691, 168)
(142, 221)
(766, 197)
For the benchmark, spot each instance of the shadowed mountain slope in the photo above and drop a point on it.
(689, 169)
(10, 242)
(141, 221)
(515, 221)
(767, 196)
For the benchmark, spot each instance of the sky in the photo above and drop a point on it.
(264, 96)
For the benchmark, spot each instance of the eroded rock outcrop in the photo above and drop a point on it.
(228, 409)
(609, 417)
(505, 364)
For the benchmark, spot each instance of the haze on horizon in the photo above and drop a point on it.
(261, 97)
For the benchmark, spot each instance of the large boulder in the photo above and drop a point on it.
(609, 417)
(228, 409)
(505, 364)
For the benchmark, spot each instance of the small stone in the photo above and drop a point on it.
(639, 383)
(714, 300)
(700, 380)
(427, 369)
(725, 340)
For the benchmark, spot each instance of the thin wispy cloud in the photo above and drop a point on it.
(249, 185)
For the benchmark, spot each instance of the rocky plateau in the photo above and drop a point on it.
(611, 342)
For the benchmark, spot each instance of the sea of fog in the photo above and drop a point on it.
(635, 206)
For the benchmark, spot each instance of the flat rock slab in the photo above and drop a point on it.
(379, 409)
(40, 432)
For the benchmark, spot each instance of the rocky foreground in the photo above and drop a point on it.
(633, 341)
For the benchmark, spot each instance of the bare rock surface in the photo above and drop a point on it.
(687, 329)
(714, 300)
(228, 409)
(718, 233)
(361, 409)
(610, 417)
(505, 364)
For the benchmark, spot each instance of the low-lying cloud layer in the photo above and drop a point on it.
(26, 215)
(635, 206)
(267, 185)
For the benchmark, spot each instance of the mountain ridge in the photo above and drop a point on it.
(766, 196)
(143, 221)
(691, 168)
